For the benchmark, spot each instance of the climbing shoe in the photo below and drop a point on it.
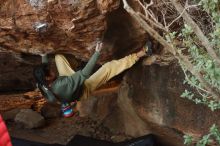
(148, 48)
(67, 110)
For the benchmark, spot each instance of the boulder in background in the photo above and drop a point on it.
(29, 119)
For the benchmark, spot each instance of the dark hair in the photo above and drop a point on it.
(40, 72)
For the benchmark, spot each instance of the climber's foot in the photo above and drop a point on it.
(148, 48)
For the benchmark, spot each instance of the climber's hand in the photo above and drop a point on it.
(43, 54)
(98, 46)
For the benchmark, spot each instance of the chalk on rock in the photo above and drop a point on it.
(40, 27)
(38, 4)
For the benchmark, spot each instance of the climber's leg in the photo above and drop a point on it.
(106, 72)
(63, 66)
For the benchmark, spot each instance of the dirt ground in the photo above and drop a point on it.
(57, 130)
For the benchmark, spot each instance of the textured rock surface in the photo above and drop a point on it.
(15, 74)
(155, 97)
(51, 110)
(149, 101)
(29, 119)
(13, 101)
(71, 26)
(69, 23)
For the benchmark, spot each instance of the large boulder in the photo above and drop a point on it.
(149, 101)
(154, 95)
(29, 119)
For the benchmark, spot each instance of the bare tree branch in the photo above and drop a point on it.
(145, 11)
(146, 17)
(149, 4)
(177, 18)
(148, 28)
(158, 25)
(203, 39)
(164, 21)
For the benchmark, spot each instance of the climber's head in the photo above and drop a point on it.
(50, 76)
(44, 75)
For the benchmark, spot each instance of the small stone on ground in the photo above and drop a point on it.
(29, 119)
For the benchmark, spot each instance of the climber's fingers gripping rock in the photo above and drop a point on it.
(98, 46)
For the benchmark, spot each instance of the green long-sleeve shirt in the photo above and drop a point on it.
(65, 87)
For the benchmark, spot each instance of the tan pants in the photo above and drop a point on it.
(101, 76)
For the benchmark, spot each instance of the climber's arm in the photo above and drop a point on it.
(87, 70)
(44, 58)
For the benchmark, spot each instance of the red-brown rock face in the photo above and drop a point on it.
(154, 94)
(34, 26)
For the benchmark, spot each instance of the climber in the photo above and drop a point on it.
(70, 85)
